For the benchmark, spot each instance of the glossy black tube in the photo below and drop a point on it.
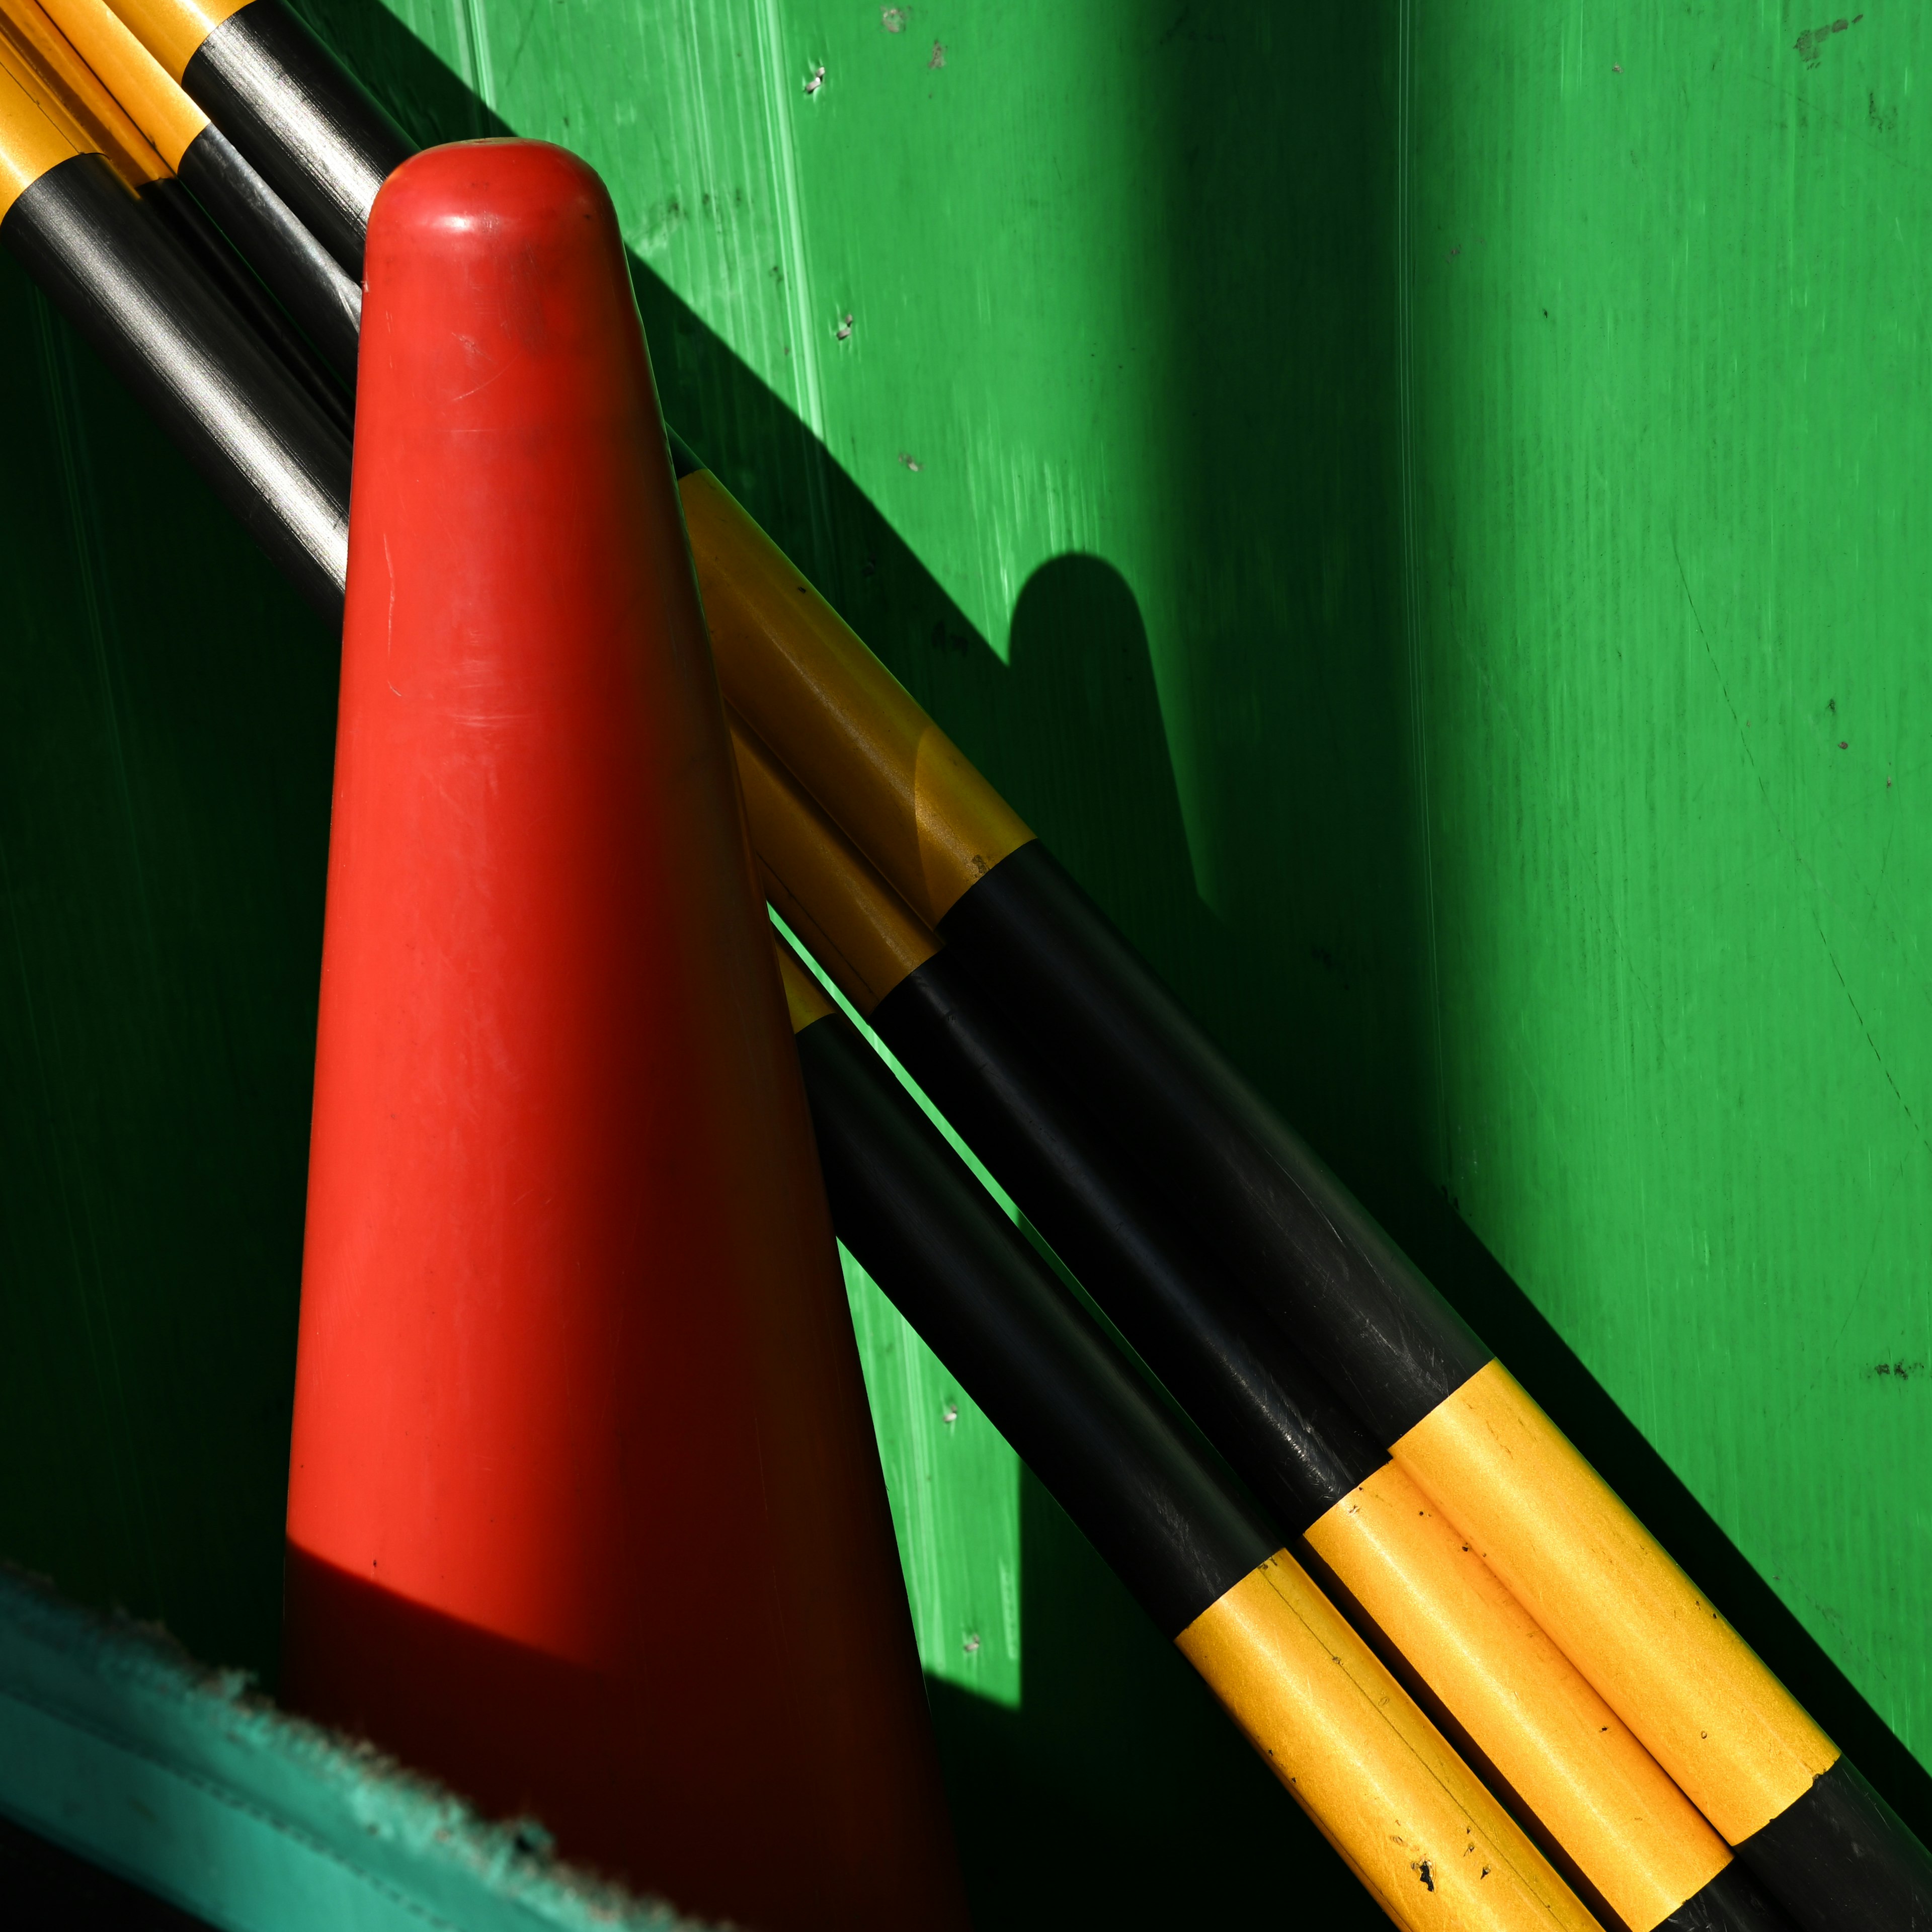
(302, 275)
(1733, 1901)
(321, 140)
(1245, 1386)
(111, 267)
(1053, 1385)
(1841, 1856)
(1247, 1187)
(214, 255)
(305, 124)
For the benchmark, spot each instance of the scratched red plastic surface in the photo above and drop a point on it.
(584, 1511)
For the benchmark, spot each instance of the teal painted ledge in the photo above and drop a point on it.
(116, 1745)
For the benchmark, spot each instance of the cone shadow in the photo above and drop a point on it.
(449, 1698)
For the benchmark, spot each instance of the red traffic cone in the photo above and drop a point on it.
(585, 1513)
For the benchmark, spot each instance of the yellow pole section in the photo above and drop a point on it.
(845, 727)
(1663, 1659)
(854, 924)
(70, 93)
(30, 143)
(172, 30)
(131, 74)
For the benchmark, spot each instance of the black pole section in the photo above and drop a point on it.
(1285, 1434)
(309, 128)
(302, 275)
(214, 255)
(133, 292)
(1249, 1188)
(1732, 1902)
(1032, 1357)
(1842, 1856)
(320, 140)
(306, 124)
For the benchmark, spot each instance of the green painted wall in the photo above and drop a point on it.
(1668, 369)
(1410, 502)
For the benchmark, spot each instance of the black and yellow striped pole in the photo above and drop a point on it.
(1412, 1821)
(136, 296)
(305, 278)
(66, 88)
(1306, 1255)
(1627, 1839)
(1485, 1455)
(305, 124)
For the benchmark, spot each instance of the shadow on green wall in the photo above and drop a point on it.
(167, 719)
(1117, 1794)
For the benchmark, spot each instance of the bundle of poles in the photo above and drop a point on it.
(1419, 1601)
